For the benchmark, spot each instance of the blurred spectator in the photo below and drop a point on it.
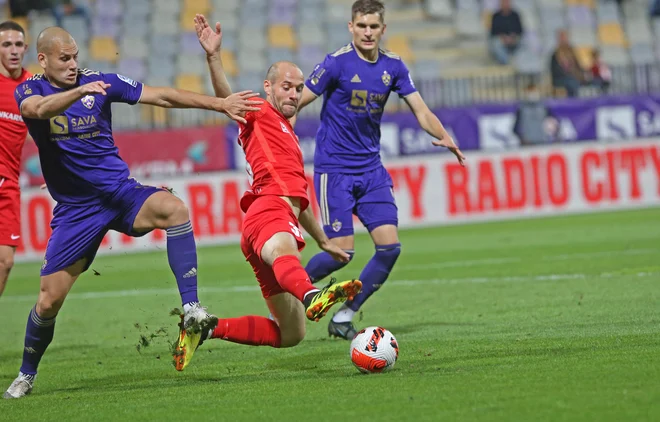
(654, 8)
(601, 76)
(62, 8)
(59, 8)
(564, 67)
(534, 124)
(505, 33)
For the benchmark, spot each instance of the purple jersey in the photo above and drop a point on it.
(79, 159)
(354, 95)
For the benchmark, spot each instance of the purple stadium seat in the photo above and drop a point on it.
(188, 42)
(105, 26)
(133, 68)
(110, 8)
(580, 16)
(284, 15)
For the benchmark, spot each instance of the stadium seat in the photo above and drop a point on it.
(611, 34)
(34, 68)
(201, 6)
(400, 46)
(189, 82)
(584, 56)
(104, 48)
(281, 36)
(229, 63)
(134, 47)
(186, 22)
(191, 63)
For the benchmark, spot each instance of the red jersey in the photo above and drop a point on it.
(274, 159)
(12, 129)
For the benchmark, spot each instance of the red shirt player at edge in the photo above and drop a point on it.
(276, 202)
(12, 137)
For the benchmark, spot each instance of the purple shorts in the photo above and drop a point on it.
(79, 230)
(368, 195)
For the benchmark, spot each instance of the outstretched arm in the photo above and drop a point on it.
(43, 108)
(312, 227)
(211, 41)
(431, 124)
(235, 106)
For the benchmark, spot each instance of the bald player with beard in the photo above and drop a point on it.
(275, 206)
(67, 112)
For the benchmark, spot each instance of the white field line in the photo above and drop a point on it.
(254, 288)
(513, 259)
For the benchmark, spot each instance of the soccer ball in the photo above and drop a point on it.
(374, 349)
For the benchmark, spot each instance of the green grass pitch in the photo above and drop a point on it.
(554, 319)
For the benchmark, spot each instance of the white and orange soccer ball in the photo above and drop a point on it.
(374, 349)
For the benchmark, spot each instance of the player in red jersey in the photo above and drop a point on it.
(276, 202)
(12, 137)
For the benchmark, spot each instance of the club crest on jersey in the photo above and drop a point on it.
(336, 225)
(387, 79)
(27, 90)
(284, 129)
(88, 101)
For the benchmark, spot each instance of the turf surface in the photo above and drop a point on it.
(544, 319)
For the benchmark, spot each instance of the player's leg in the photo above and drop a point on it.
(6, 264)
(377, 210)
(286, 329)
(10, 227)
(77, 234)
(41, 325)
(334, 193)
(149, 208)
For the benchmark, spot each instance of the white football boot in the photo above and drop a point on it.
(21, 387)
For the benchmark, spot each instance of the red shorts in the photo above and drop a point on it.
(267, 216)
(10, 212)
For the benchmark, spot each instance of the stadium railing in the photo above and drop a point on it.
(438, 92)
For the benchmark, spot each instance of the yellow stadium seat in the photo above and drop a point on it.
(281, 36)
(186, 22)
(199, 6)
(154, 116)
(611, 34)
(585, 56)
(400, 46)
(229, 62)
(103, 48)
(190, 82)
(487, 18)
(23, 22)
(34, 68)
(589, 3)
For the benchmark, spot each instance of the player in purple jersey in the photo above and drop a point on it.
(349, 178)
(67, 111)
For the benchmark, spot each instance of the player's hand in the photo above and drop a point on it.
(210, 40)
(448, 143)
(337, 253)
(96, 87)
(236, 105)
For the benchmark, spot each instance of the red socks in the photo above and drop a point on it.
(250, 330)
(292, 277)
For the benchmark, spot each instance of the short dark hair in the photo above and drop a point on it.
(368, 7)
(11, 26)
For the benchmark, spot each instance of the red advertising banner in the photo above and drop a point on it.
(431, 190)
(155, 154)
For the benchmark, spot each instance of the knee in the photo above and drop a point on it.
(49, 304)
(176, 212)
(388, 254)
(6, 262)
(293, 336)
